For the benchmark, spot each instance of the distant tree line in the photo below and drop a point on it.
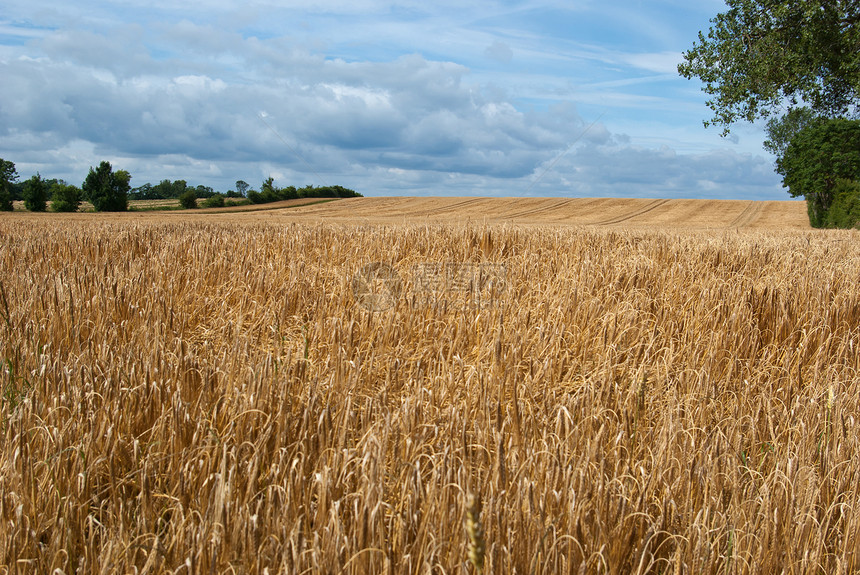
(64, 197)
(268, 193)
(109, 190)
(271, 193)
(169, 190)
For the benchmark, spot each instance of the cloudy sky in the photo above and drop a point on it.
(405, 97)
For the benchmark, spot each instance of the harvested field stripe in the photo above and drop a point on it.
(644, 210)
(746, 217)
(457, 205)
(554, 207)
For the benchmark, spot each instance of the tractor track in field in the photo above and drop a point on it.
(653, 205)
(554, 206)
(748, 215)
(432, 211)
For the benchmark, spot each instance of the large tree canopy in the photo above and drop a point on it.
(36, 194)
(8, 174)
(763, 56)
(106, 189)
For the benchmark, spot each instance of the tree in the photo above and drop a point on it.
(65, 197)
(762, 56)
(781, 130)
(36, 194)
(269, 191)
(819, 157)
(242, 187)
(8, 174)
(144, 192)
(177, 188)
(107, 190)
(164, 189)
(188, 199)
(202, 191)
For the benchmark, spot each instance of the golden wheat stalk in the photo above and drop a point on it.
(475, 531)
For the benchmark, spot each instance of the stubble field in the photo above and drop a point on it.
(538, 387)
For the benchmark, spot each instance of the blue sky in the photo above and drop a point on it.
(504, 98)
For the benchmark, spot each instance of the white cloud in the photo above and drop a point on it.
(402, 97)
(500, 52)
(659, 63)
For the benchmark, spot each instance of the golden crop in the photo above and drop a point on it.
(193, 397)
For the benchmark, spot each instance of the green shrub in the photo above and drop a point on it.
(269, 196)
(214, 201)
(188, 199)
(844, 210)
(65, 198)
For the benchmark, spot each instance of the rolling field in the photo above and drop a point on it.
(686, 214)
(403, 385)
(608, 212)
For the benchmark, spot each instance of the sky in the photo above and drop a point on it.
(573, 98)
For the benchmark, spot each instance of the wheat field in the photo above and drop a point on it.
(285, 394)
(602, 212)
